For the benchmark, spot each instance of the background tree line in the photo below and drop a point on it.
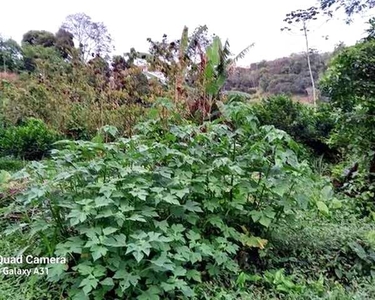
(288, 75)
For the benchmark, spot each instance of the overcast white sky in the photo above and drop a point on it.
(132, 22)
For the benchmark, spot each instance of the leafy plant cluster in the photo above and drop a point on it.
(32, 140)
(75, 101)
(349, 83)
(8, 163)
(313, 257)
(310, 128)
(343, 251)
(150, 216)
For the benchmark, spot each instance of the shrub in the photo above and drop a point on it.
(344, 251)
(349, 82)
(349, 79)
(72, 98)
(148, 217)
(282, 112)
(32, 140)
(300, 121)
(11, 164)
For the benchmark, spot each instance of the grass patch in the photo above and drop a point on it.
(11, 164)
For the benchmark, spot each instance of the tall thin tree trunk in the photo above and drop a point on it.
(309, 64)
(3, 56)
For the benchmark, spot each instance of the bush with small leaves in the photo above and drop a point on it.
(309, 127)
(32, 140)
(350, 83)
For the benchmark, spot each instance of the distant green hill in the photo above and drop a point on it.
(288, 75)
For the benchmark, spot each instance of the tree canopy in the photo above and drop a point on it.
(39, 38)
(10, 55)
(92, 37)
(350, 7)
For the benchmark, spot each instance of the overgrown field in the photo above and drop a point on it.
(158, 184)
(225, 209)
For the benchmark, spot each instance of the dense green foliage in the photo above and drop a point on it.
(309, 127)
(31, 140)
(173, 183)
(343, 251)
(75, 103)
(288, 75)
(10, 55)
(351, 75)
(8, 163)
(349, 83)
(148, 216)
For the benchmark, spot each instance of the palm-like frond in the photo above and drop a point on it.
(224, 54)
(243, 53)
(231, 65)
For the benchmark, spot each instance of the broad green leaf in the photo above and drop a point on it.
(84, 268)
(88, 284)
(98, 252)
(127, 279)
(112, 130)
(103, 202)
(108, 281)
(281, 187)
(4, 177)
(138, 255)
(117, 240)
(322, 207)
(358, 249)
(80, 295)
(192, 206)
(194, 274)
(193, 235)
(151, 294)
(99, 271)
(72, 245)
(327, 192)
(180, 193)
(139, 193)
(77, 217)
(163, 225)
(265, 221)
(256, 215)
(137, 218)
(109, 230)
(55, 271)
(170, 199)
(139, 250)
(163, 262)
(335, 204)
(18, 227)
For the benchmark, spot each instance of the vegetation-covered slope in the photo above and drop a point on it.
(148, 181)
(288, 75)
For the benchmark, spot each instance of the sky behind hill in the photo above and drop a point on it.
(132, 22)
